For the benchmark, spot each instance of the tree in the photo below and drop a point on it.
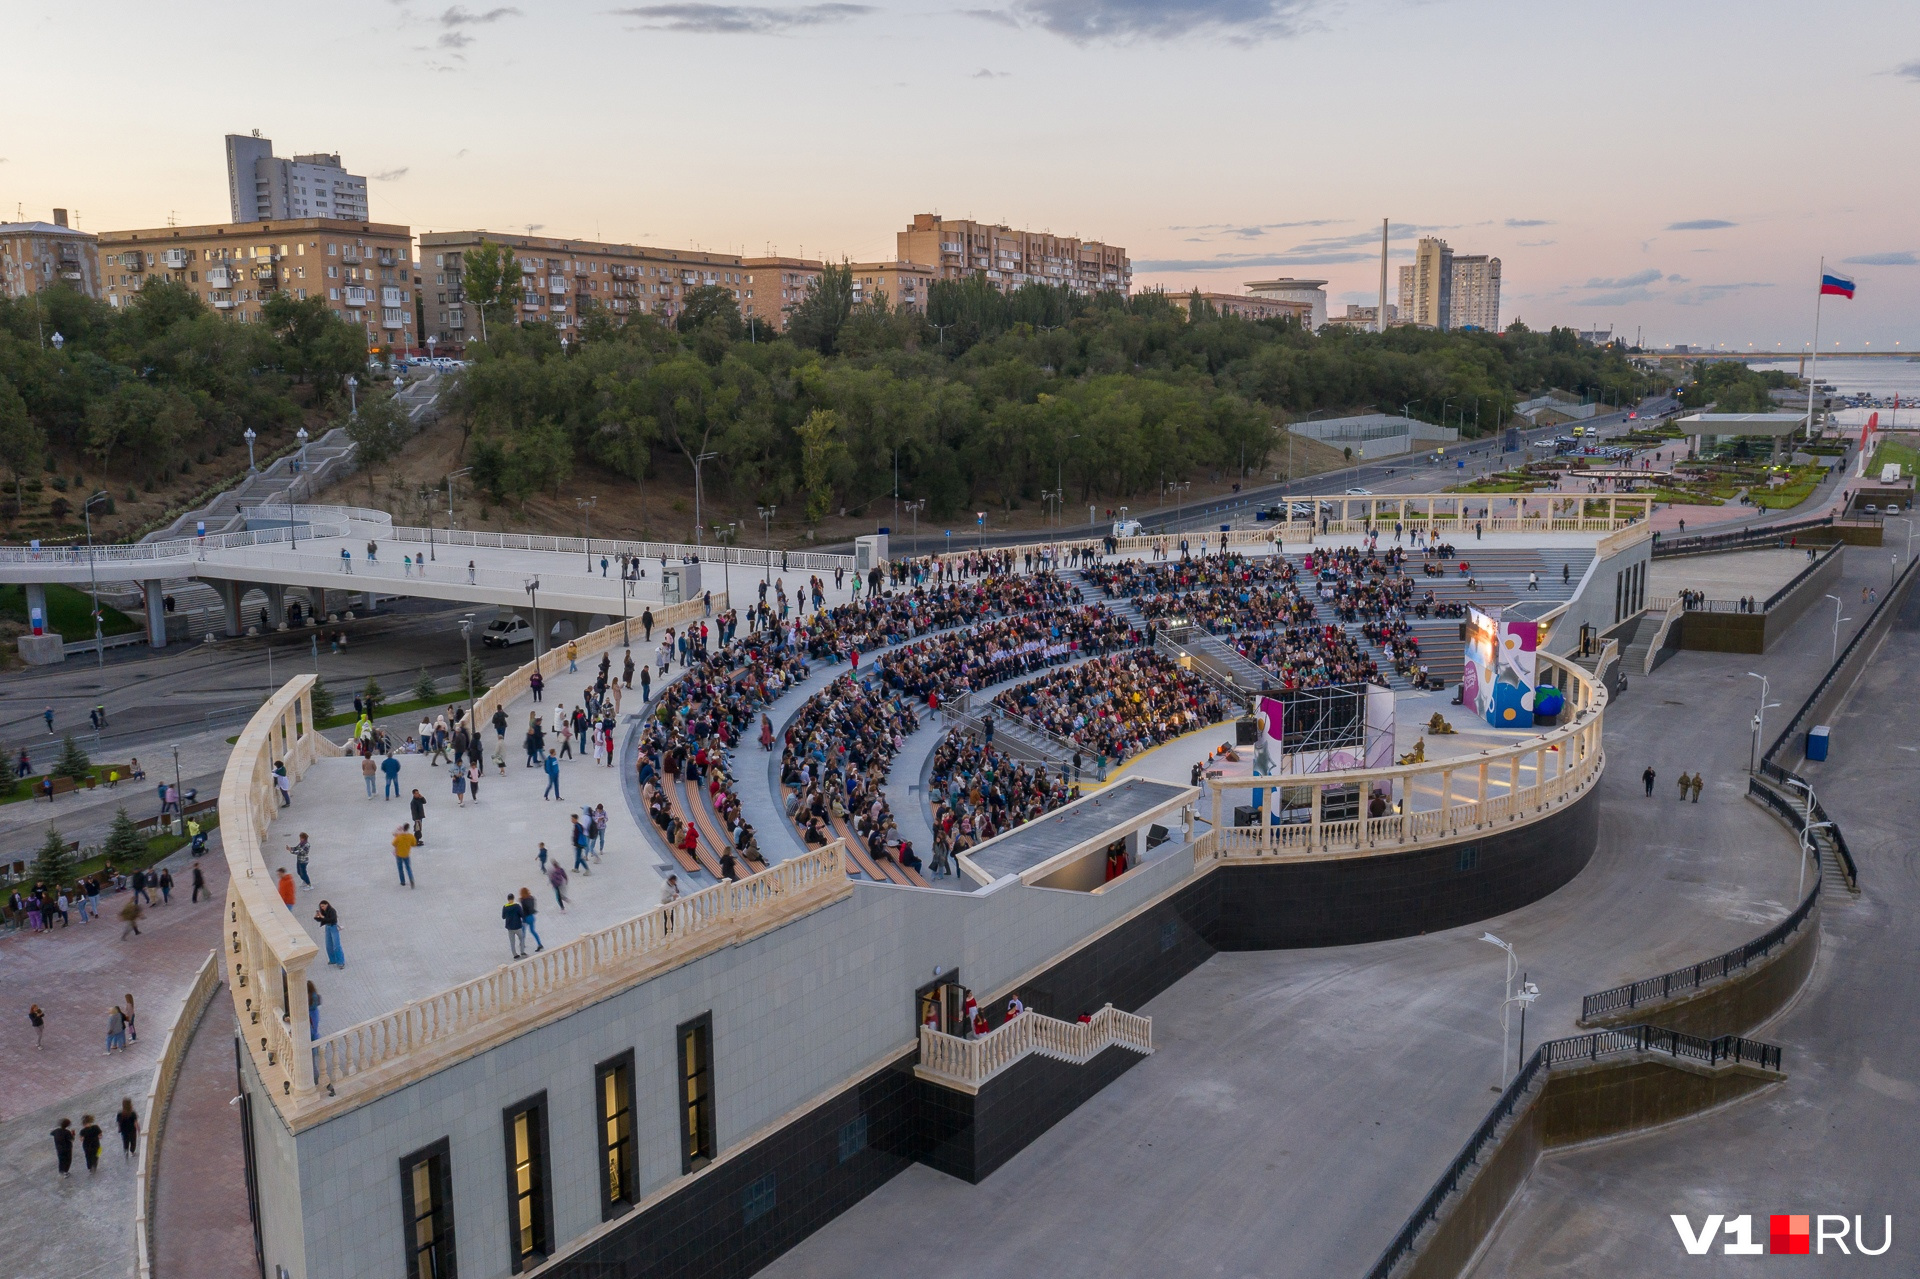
(820, 444)
(73, 762)
(378, 433)
(125, 843)
(490, 277)
(53, 864)
(372, 695)
(473, 677)
(710, 305)
(322, 699)
(814, 322)
(424, 689)
(22, 443)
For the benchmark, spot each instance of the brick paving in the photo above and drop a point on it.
(200, 1224)
(80, 1227)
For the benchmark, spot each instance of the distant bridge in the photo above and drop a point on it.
(1692, 356)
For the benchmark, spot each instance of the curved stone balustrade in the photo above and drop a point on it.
(966, 1064)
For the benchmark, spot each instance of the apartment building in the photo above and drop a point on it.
(263, 187)
(903, 283)
(563, 279)
(1365, 318)
(956, 248)
(1426, 287)
(1475, 302)
(364, 270)
(775, 284)
(1312, 292)
(1248, 306)
(41, 255)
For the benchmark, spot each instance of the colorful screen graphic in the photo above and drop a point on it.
(1501, 669)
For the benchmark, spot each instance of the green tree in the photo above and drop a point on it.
(424, 688)
(22, 442)
(73, 761)
(378, 432)
(710, 305)
(814, 322)
(322, 699)
(821, 445)
(372, 695)
(125, 844)
(9, 782)
(53, 864)
(473, 677)
(490, 278)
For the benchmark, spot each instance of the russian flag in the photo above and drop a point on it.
(1837, 285)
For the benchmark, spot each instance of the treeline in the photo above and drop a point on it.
(1732, 387)
(985, 399)
(138, 389)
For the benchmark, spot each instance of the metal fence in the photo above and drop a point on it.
(1705, 543)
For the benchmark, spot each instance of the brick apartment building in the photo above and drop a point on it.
(955, 248)
(41, 255)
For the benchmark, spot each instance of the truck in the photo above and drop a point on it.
(1890, 473)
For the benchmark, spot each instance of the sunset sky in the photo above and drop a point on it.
(1674, 168)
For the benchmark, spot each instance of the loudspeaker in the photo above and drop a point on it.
(1246, 731)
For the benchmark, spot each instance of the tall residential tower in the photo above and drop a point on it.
(264, 188)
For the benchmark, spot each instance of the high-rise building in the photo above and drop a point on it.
(956, 248)
(1475, 301)
(1312, 292)
(264, 188)
(43, 255)
(1426, 287)
(363, 270)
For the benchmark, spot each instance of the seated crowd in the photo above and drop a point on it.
(1311, 656)
(1223, 593)
(977, 792)
(1116, 706)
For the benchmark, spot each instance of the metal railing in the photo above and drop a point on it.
(1703, 543)
(1521, 1093)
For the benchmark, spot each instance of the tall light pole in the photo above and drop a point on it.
(1506, 1002)
(301, 435)
(466, 637)
(1759, 721)
(698, 460)
(533, 606)
(249, 436)
(1837, 619)
(293, 525)
(353, 396)
(913, 509)
(179, 810)
(766, 536)
(586, 505)
(724, 535)
(450, 479)
(99, 639)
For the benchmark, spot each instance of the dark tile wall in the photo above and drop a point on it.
(970, 1136)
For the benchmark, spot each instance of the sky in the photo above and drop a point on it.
(1675, 171)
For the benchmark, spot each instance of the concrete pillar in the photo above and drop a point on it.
(539, 620)
(276, 606)
(230, 593)
(317, 600)
(37, 598)
(156, 613)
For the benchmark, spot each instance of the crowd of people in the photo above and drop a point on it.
(977, 792)
(1224, 594)
(1116, 706)
(1310, 656)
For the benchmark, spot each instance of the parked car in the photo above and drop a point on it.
(504, 632)
(1126, 528)
(1359, 492)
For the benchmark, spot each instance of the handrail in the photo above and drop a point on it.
(173, 1052)
(1521, 1093)
(1704, 543)
(967, 1064)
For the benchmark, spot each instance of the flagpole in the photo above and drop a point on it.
(1813, 371)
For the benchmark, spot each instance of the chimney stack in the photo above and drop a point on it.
(59, 217)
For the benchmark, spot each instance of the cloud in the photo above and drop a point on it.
(1677, 278)
(1537, 244)
(734, 19)
(391, 175)
(1254, 230)
(454, 40)
(1701, 224)
(1235, 261)
(1911, 71)
(461, 154)
(1702, 294)
(458, 17)
(1520, 222)
(1092, 21)
(1903, 258)
(984, 74)
(1633, 281)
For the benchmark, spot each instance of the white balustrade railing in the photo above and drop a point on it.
(967, 1064)
(173, 1053)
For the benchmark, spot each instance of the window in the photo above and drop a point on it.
(757, 1199)
(426, 1206)
(529, 1202)
(696, 1093)
(613, 1089)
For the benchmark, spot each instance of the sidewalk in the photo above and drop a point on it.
(79, 1227)
(200, 1224)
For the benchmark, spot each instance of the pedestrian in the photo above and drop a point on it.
(579, 839)
(536, 684)
(475, 772)
(367, 770)
(284, 883)
(418, 807)
(515, 919)
(129, 1124)
(528, 909)
(313, 1011)
(285, 785)
(669, 894)
(598, 830)
(1697, 785)
(37, 1016)
(573, 657)
(166, 888)
(329, 920)
(1686, 783)
(301, 851)
(729, 868)
(646, 626)
(63, 1146)
(116, 1029)
(553, 777)
(403, 854)
(133, 1031)
(557, 876)
(346, 560)
(90, 1142)
(390, 769)
(47, 715)
(131, 913)
(459, 787)
(1646, 779)
(199, 884)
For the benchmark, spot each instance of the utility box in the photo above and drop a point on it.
(1817, 742)
(680, 582)
(869, 552)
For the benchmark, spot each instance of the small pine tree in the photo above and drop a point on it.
(8, 782)
(73, 762)
(472, 670)
(53, 865)
(424, 689)
(125, 844)
(322, 699)
(372, 695)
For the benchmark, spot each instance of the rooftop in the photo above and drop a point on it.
(1025, 847)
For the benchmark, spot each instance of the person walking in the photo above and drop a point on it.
(579, 837)
(90, 1142)
(403, 854)
(47, 715)
(284, 882)
(199, 884)
(646, 626)
(573, 658)
(131, 913)
(470, 573)
(329, 920)
(38, 1017)
(669, 894)
(313, 1011)
(557, 876)
(528, 909)
(133, 1030)
(116, 1029)
(1697, 786)
(129, 1125)
(367, 770)
(515, 920)
(166, 889)
(63, 1146)
(475, 771)
(418, 807)
(553, 777)
(1686, 784)
(1646, 779)
(390, 769)
(459, 776)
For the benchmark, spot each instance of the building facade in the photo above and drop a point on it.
(43, 255)
(956, 248)
(1475, 300)
(1364, 317)
(561, 280)
(262, 187)
(1312, 292)
(1426, 287)
(775, 284)
(903, 284)
(1248, 306)
(363, 270)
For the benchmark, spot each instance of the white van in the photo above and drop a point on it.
(1126, 528)
(504, 632)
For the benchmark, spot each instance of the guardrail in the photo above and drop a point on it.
(1567, 761)
(613, 548)
(183, 548)
(1706, 543)
(1520, 1094)
(173, 1052)
(1814, 566)
(967, 1064)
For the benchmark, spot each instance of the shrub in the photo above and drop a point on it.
(471, 669)
(73, 762)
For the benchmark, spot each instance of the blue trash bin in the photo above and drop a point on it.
(1817, 742)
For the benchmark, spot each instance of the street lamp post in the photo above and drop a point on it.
(180, 791)
(301, 435)
(766, 537)
(698, 459)
(249, 436)
(466, 637)
(913, 510)
(586, 505)
(450, 479)
(533, 606)
(353, 396)
(99, 639)
(1507, 999)
(724, 535)
(293, 525)
(1759, 721)
(1837, 619)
